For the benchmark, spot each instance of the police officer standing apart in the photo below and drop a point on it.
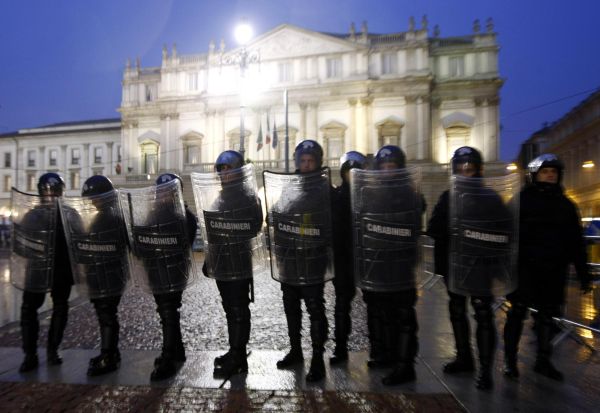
(171, 265)
(232, 223)
(550, 239)
(466, 162)
(50, 186)
(389, 209)
(300, 248)
(343, 282)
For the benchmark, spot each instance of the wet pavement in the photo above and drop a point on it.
(351, 387)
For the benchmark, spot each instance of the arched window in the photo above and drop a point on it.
(192, 148)
(389, 132)
(149, 152)
(333, 140)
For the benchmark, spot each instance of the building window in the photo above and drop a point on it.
(52, 157)
(97, 154)
(31, 182)
(7, 159)
(285, 72)
(334, 68)
(390, 140)
(74, 180)
(149, 93)
(192, 154)
(334, 147)
(389, 63)
(75, 156)
(192, 79)
(31, 159)
(456, 66)
(7, 183)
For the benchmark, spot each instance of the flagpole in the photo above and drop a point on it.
(287, 135)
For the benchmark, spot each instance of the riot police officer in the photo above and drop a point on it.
(232, 223)
(168, 272)
(390, 225)
(300, 247)
(106, 275)
(50, 186)
(343, 282)
(466, 162)
(550, 239)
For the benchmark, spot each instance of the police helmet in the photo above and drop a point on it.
(350, 160)
(51, 183)
(308, 147)
(233, 159)
(167, 177)
(467, 154)
(390, 153)
(96, 185)
(547, 160)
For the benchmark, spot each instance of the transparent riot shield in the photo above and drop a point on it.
(484, 228)
(299, 223)
(97, 243)
(156, 223)
(386, 211)
(231, 222)
(33, 234)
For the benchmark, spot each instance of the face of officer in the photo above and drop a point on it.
(468, 170)
(547, 175)
(308, 163)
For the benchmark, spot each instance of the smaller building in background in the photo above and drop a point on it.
(575, 138)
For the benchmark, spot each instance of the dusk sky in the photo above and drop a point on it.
(63, 60)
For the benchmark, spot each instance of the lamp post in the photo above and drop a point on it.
(243, 33)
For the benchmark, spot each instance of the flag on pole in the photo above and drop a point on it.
(274, 134)
(268, 136)
(259, 139)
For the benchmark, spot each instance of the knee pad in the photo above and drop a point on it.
(483, 311)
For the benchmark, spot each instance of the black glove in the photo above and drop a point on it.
(586, 287)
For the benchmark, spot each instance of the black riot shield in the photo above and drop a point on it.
(156, 224)
(231, 223)
(386, 210)
(484, 235)
(33, 234)
(97, 242)
(299, 222)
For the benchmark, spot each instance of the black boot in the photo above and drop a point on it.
(29, 329)
(30, 362)
(109, 359)
(377, 354)
(317, 368)
(462, 337)
(545, 332)
(512, 335)
(173, 352)
(106, 362)
(315, 306)
(239, 333)
(486, 342)
(343, 326)
(293, 317)
(60, 314)
(404, 369)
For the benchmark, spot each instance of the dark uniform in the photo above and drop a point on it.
(309, 264)
(168, 274)
(343, 282)
(438, 229)
(230, 259)
(550, 239)
(106, 277)
(391, 315)
(52, 185)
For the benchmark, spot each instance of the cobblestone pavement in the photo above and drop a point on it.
(202, 321)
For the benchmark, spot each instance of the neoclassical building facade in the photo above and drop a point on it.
(353, 91)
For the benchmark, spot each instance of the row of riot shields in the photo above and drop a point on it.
(140, 234)
(112, 238)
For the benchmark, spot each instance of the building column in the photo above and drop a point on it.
(351, 140)
(109, 159)
(410, 136)
(303, 115)
(85, 164)
(315, 122)
(166, 158)
(369, 139)
(423, 131)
